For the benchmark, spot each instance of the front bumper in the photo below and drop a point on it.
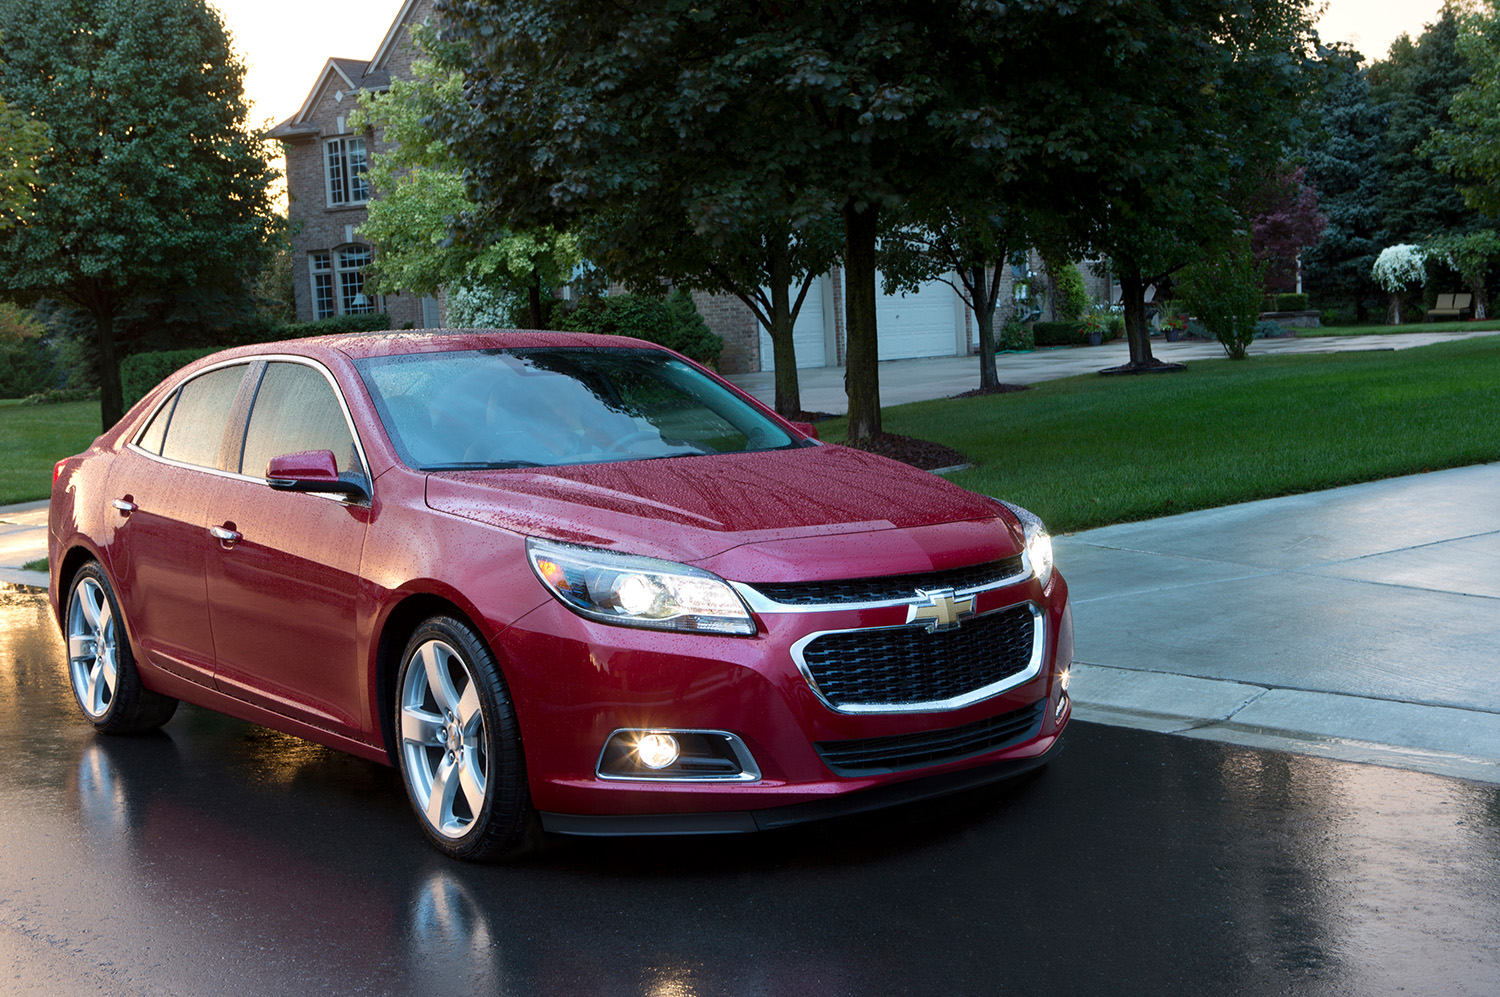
(575, 683)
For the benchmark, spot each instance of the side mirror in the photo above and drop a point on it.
(807, 429)
(310, 471)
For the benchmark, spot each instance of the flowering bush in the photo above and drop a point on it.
(1399, 267)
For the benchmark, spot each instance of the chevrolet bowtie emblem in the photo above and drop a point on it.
(941, 610)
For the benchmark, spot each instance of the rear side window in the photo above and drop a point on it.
(196, 429)
(296, 410)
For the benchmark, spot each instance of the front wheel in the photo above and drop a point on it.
(459, 744)
(101, 667)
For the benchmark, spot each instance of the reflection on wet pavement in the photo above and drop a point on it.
(221, 858)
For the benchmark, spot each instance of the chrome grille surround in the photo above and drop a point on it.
(1031, 669)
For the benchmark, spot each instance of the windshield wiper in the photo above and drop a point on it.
(479, 465)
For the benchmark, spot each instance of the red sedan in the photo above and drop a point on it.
(566, 581)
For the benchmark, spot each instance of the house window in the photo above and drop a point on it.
(321, 265)
(351, 271)
(347, 166)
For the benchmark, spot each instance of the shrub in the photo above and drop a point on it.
(1114, 328)
(27, 362)
(674, 323)
(1071, 296)
(1346, 315)
(144, 371)
(1224, 294)
(1015, 337)
(1266, 328)
(1058, 333)
(55, 396)
(1291, 302)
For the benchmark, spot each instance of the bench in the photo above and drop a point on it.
(1451, 306)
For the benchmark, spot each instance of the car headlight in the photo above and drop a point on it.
(638, 591)
(1038, 543)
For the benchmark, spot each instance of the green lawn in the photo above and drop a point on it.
(1488, 325)
(33, 438)
(1088, 451)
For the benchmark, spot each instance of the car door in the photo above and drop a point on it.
(283, 583)
(159, 489)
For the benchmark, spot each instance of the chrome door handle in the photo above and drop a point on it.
(124, 506)
(224, 533)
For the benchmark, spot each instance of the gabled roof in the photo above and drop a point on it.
(351, 76)
(392, 36)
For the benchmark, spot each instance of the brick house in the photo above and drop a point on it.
(326, 164)
(328, 189)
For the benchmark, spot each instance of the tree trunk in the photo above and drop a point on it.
(1481, 301)
(783, 348)
(534, 293)
(111, 397)
(862, 357)
(1133, 298)
(983, 300)
(1393, 310)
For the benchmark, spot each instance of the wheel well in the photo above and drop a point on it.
(71, 562)
(399, 626)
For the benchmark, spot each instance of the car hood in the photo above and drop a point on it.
(776, 509)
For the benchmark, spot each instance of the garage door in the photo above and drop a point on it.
(807, 332)
(923, 324)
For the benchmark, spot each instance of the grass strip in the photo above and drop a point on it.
(1405, 328)
(33, 438)
(1089, 451)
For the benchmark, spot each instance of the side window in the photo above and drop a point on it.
(156, 432)
(296, 410)
(197, 423)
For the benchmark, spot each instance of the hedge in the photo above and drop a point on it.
(144, 371)
(1059, 333)
(1291, 302)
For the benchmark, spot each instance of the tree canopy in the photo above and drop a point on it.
(150, 181)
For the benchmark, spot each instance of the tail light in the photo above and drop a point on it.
(57, 469)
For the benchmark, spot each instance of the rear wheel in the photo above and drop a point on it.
(101, 667)
(460, 747)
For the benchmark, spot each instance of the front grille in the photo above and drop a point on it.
(900, 666)
(873, 755)
(890, 588)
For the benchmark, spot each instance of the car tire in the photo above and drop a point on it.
(101, 667)
(458, 745)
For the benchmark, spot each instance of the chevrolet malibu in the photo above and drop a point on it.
(559, 581)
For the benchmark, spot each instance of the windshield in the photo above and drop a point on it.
(561, 405)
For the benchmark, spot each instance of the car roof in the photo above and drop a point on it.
(381, 344)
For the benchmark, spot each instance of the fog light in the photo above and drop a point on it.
(657, 751)
(1062, 707)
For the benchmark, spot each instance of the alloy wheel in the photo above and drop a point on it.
(443, 742)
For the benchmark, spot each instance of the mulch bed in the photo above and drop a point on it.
(999, 389)
(924, 454)
(1154, 367)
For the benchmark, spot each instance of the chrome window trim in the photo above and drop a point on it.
(764, 604)
(359, 446)
(749, 771)
(1031, 671)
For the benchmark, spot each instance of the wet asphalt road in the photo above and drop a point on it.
(221, 858)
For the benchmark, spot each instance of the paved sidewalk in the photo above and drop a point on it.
(903, 381)
(23, 538)
(1361, 623)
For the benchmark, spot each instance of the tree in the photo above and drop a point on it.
(22, 140)
(421, 191)
(1216, 91)
(1225, 292)
(1396, 269)
(1343, 166)
(150, 181)
(1468, 146)
(1470, 255)
(1417, 83)
(1285, 219)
